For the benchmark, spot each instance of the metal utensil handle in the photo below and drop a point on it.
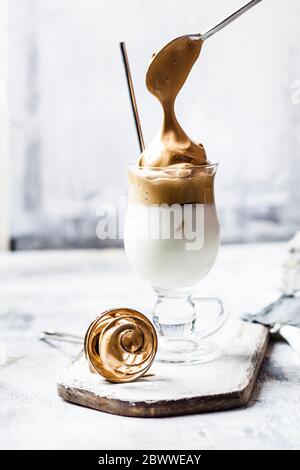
(61, 336)
(230, 18)
(292, 335)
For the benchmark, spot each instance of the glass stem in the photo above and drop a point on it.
(174, 317)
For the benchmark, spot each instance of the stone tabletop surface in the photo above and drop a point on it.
(65, 290)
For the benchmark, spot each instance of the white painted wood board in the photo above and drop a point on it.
(171, 390)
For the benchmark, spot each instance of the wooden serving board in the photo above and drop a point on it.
(170, 390)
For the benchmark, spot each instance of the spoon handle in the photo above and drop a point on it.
(60, 336)
(228, 20)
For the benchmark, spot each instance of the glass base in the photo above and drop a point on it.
(187, 351)
(180, 338)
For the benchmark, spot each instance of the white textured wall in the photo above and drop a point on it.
(72, 129)
(4, 125)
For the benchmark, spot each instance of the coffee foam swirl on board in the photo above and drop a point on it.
(120, 345)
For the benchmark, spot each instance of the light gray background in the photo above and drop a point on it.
(71, 123)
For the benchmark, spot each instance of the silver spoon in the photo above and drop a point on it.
(228, 20)
(160, 59)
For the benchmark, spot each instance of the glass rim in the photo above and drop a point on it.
(206, 166)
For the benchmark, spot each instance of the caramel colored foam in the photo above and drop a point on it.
(172, 169)
(171, 186)
(166, 75)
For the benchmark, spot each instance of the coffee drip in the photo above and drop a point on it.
(165, 77)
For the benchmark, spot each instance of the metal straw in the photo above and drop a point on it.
(132, 96)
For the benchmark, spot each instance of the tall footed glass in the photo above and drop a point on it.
(171, 239)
